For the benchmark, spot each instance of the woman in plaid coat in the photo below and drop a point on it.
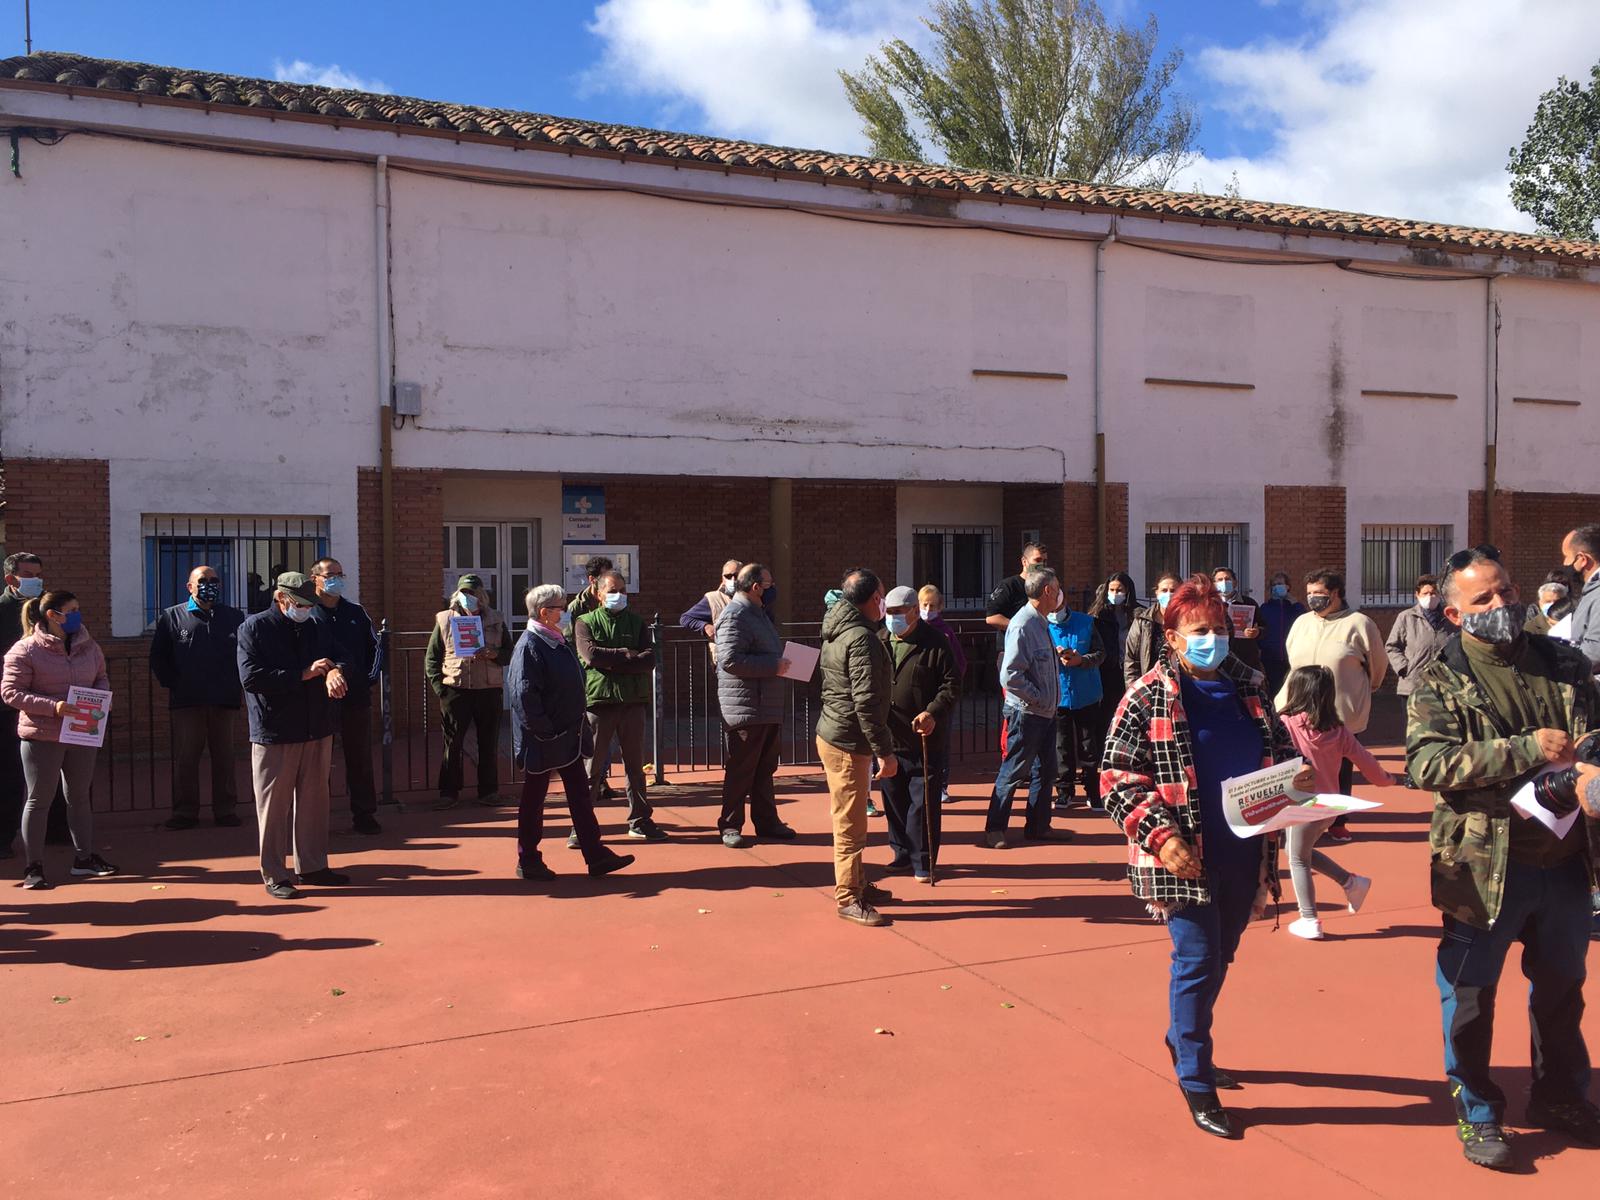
(1196, 718)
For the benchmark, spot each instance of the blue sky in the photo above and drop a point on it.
(1345, 103)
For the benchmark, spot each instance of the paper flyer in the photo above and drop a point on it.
(802, 661)
(1524, 802)
(466, 635)
(86, 724)
(1266, 801)
(1241, 616)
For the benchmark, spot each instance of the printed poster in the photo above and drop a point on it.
(1241, 616)
(85, 722)
(1266, 801)
(466, 635)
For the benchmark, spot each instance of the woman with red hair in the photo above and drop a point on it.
(1196, 718)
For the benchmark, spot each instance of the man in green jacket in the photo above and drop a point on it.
(615, 649)
(1498, 707)
(853, 728)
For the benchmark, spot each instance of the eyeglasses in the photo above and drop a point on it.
(1462, 559)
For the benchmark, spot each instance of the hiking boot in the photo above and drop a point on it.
(91, 864)
(612, 862)
(647, 831)
(364, 823)
(1484, 1144)
(534, 869)
(1578, 1119)
(33, 879)
(861, 913)
(283, 889)
(177, 822)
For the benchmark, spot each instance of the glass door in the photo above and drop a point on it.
(504, 553)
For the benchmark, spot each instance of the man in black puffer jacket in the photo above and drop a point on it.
(853, 728)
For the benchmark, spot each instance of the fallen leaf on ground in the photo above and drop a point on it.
(338, 991)
(882, 1030)
(59, 999)
(944, 987)
(158, 887)
(655, 947)
(777, 893)
(1003, 1004)
(141, 1038)
(702, 911)
(998, 892)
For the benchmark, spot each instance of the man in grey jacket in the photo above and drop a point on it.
(1033, 692)
(749, 655)
(1580, 550)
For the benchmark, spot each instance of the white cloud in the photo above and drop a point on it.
(332, 76)
(760, 69)
(1404, 108)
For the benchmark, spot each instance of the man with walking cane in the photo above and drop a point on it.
(922, 697)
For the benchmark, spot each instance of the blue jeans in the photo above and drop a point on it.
(1030, 747)
(1204, 938)
(913, 804)
(1548, 912)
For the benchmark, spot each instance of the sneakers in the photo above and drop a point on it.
(1338, 835)
(897, 868)
(612, 862)
(33, 879)
(732, 839)
(873, 810)
(995, 839)
(446, 802)
(873, 894)
(177, 822)
(492, 800)
(1355, 891)
(778, 833)
(534, 868)
(325, 878)
(1048, 835)
(1578, 1119)
(1307, 927)
(861, 913)
(572, 840)
(1483, 1143)
(647, 830)
(91, 864)
(283, 889)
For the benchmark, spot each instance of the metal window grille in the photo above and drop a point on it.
(1183, 550)
(1392, 556)
(247, 552)
(959, 561)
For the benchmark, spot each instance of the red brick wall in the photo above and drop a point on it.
(60, 509)
(1540, 520)
(838, 526)
(1064, 514)
(418, 542)
(1305, 530)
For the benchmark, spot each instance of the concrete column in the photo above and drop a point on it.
(781, 508)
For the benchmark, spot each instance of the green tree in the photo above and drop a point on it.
(1555, 173)
(1034, 87)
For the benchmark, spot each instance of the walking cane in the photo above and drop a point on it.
(928, 800)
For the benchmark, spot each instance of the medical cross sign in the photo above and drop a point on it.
(583, 514)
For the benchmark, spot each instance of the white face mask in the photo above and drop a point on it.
(299, 614)
(927, 613)
(1428, 602)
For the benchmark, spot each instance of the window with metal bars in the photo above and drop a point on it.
(1183, 550)
(1392, 556)
(959, 561)
(248, 553)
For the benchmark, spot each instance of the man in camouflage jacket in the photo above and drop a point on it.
(1489, 714)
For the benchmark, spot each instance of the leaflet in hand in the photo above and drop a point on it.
(1525, 803)
(466, 635)
(85, 722)
(1266, 801)
(802, 661)
(1241, 617)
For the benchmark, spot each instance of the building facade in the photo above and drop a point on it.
(232, 309)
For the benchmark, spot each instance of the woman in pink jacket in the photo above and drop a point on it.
(54, 654)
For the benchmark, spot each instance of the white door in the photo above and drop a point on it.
(504, 553)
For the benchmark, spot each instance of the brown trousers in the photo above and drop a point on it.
(849, 785)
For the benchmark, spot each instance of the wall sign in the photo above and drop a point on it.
(583, 514)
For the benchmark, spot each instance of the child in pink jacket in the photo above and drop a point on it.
(1324, 742)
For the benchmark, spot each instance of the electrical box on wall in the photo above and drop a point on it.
(408, 399)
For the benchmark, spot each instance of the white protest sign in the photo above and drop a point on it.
(85, 722)
(1266, 801)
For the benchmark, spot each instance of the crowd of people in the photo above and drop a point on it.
(1148, 709)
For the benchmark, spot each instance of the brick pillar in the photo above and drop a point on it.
(838, 526)
(1530, 528)
(1064, 515)
(418, 541)
(60, 509)
(1305, 530)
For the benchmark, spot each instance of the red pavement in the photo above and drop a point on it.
(701, 1025)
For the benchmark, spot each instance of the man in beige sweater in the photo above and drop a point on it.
(1349, 644)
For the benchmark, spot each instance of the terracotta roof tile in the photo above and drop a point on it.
(227, 91)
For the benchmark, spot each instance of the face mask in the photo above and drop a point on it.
(72, 622)
(299, 614)
(1059, 617)
(769, 595)
(1162, 598)
(1205, 650)
(29, 589)
(1118, 597)
(1497, 626)
(926, 613)
(565, 623)
(1280, 591)
(1318, 603)
(333, 585)
(616, 601)
(898, 623)
(469, 602)
(1225, 586)
(728, 587)
(1545, 608)
(1427, 602)
(208, 591)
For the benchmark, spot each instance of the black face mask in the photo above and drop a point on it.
(208, 591)
(1497, 626)
(1318, 603)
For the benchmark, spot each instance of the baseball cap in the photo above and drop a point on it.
(900, 597)
(301, 587)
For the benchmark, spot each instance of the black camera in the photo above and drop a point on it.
(1558, 791)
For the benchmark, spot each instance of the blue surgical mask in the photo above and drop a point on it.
(1059, 617)
(1545, 608)
(469, 602)
(1280, 591)
(333, 585)
(208, 591)
(28, 589)
(299, 613)
(565, 623)
(1162, 598)
(898, 623)
(72, 622)
(616, 601)
(1117, 597)
(1205, 650)
(1225, 586)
